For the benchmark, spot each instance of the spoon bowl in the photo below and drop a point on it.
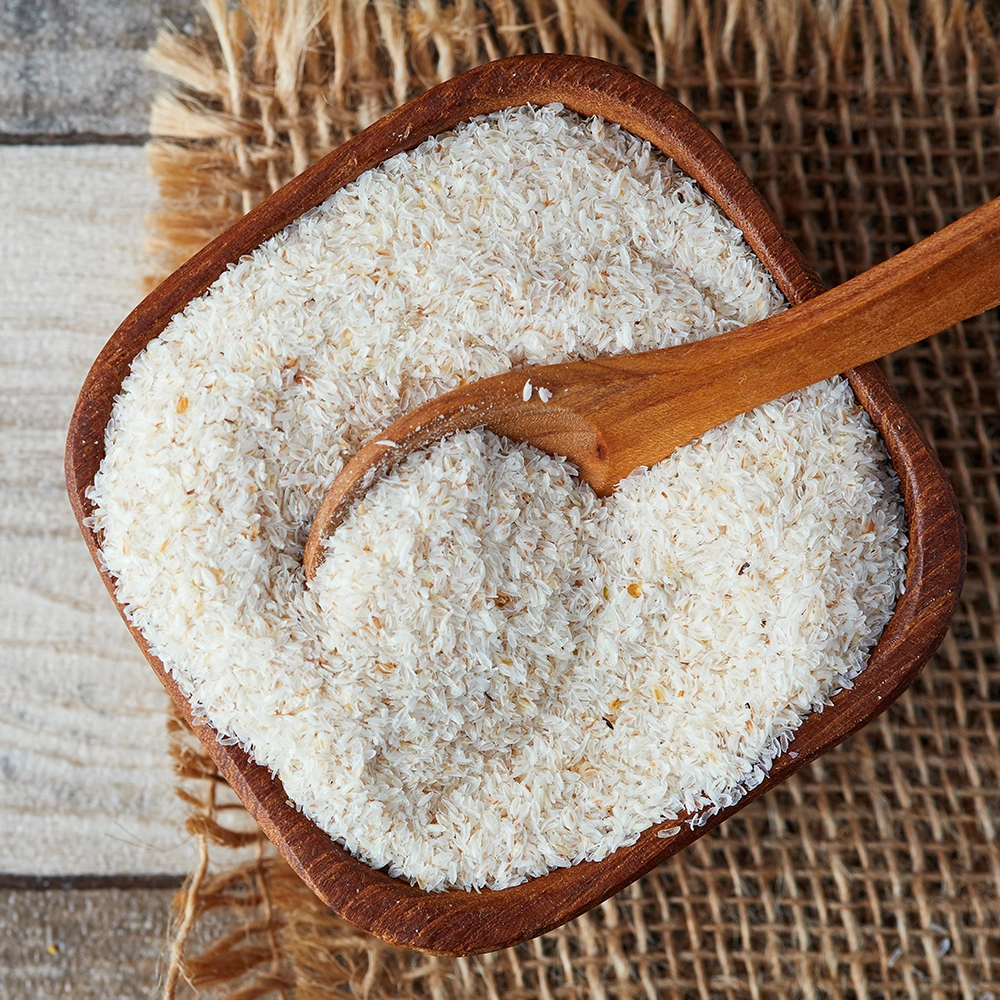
(458, 922)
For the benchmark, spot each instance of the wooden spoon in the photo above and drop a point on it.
(613, 415)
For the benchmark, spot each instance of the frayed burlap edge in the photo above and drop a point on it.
(873, 873)
(271, 86)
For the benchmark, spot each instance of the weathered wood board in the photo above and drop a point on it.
(70, 68)
(90, 944)
(85, 782)
(98, 944)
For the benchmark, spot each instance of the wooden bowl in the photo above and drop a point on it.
(459, 922)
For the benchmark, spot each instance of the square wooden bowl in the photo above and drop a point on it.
(459, 922)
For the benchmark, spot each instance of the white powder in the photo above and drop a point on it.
(494, 672)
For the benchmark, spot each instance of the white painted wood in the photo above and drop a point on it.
(85, 782)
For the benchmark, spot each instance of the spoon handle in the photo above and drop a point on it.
(665, 398)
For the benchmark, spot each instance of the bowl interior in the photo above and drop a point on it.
(458, 922)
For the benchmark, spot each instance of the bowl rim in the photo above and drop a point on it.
(459, 922)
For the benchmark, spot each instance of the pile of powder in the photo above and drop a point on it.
(494, 672)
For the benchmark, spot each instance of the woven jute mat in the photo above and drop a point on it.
(874, 872)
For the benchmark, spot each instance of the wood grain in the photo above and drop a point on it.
(461, 922)
(86, 786)
(76, 70)
(103, 943)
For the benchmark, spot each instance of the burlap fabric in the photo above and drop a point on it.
(872, 873)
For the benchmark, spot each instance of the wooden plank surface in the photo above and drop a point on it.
(71, 68)
(77, 68)
(98, 944)
(90, 944)
(85, 783)
(85, 786)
